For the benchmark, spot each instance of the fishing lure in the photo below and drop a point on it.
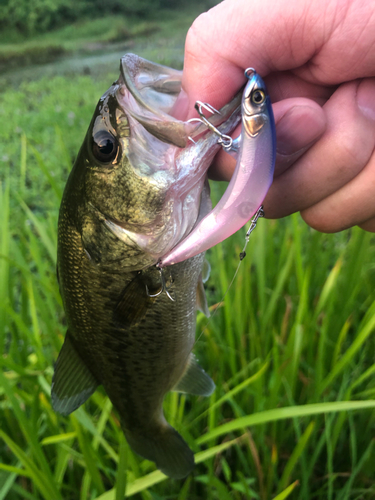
(255, 152)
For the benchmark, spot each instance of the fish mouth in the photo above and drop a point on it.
(155, 88)
(166, 149)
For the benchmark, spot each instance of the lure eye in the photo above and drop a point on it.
(104, 146)
(258, 97)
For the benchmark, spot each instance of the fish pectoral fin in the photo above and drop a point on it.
(201, 298)
(206, 270)
(134, 302)
(195, 380)
(72, 383)
(166, 448)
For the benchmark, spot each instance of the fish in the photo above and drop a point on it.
(137, 188)
(255, 154)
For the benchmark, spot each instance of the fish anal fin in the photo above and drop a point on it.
(195, 380)
(134, 302)
(72, 382)
(166, 448)
(201, 298)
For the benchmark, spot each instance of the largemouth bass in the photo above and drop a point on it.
(137, 188)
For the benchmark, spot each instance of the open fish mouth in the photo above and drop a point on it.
(148, 92)
(168, 155)
(155, 88)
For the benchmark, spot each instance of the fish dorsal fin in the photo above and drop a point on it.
(201, 298)
(195, 380)
(72, 383)
(134, 302)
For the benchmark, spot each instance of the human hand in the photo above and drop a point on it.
(318, 60)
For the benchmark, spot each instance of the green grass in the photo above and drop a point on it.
(291, 350)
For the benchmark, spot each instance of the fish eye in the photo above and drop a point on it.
(104, 146)
(258, 96)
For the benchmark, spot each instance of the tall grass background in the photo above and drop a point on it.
(291, 348)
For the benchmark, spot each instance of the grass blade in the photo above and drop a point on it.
(284, 413)
(4, 256)
(358, 342)
(31, 470)
(284, 494)
(121, 469)
(298, 450)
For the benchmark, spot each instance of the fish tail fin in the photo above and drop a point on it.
(166, 448)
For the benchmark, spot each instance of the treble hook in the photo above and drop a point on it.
(225, 140)
(162, 289)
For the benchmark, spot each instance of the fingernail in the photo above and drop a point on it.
(298, 128)
(366, 97)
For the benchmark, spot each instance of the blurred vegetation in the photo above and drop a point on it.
(42, 31)
(85, 37)
(30, 17)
